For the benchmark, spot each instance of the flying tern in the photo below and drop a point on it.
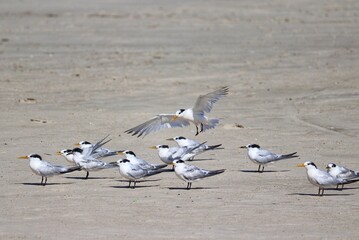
(263, 157)
(341, 172)
(46, 169)
(321, 178)
(130, 155)
(189, 143)
(190, 173)
(133, 172)
(183, 117)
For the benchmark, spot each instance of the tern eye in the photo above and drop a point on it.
(253, 146)
(333, 165)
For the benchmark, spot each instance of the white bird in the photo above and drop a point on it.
(88, 163)
(46, 169)
(341, 172)
(189, 143)
(134, 172)
(263, 157)
(130, 155)
(67, 154)
(169, 154)
(184, 117)
(321, 178)
(99, 152)
(190, 173)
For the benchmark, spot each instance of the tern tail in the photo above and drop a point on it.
(290, 155)
(214, 147)
(215, 172)
(71, 169)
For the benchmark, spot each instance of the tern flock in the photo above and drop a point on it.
(89, 157)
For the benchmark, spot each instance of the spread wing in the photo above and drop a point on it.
(157, 123)
(205, 103)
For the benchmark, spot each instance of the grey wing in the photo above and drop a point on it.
(157, 123)
(324, 178)
(205, 103)
(267, 155)
(192, 173)
(137, 172)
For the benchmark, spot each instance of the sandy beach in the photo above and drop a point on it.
(79, 70)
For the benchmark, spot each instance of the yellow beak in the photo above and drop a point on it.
(301, 165)
(120, 153)
(174, 118)
(153, 147)
(58, 153)
(243, 147)
(77, 144)
(23, 157)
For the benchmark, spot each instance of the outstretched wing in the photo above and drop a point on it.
(205, 103)
(157, 123)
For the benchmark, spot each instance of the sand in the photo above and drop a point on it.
(79, 70)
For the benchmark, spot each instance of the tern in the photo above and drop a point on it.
(99, 152)
(169, 154)
(46, 169)
(183, 117)
(67, 154)
(88, 163)
(321, 178)
(341, 172)
(133, 172)
(263, 157)
(130, 155)
(190, 173)
(189, 143)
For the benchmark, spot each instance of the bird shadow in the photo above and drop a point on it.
(83, 178)
(316, 195)
(147, 180)
(192, 188)
(265, 171)
(137, 186)
(201, 159)
(47, 184)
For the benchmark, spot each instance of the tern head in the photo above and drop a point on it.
(249, 146)
(128, 152)
(77, 151)
(123, 161)
(64, 152)
(307, 165)
(177, 114)
(31, 156)
(331, 165)
(83, 144)
(176, 162)
(160, 147)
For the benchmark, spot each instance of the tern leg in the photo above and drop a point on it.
(45, 181)
(342, 187)
(201, 127)
(42, 179)
(337, 187)
(129, 184)
(134, 185)
(259, 167)
(262, 168)
(196, 131)
(189, 185)
(87, 175)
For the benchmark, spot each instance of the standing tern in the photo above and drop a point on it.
(140, 162)
(133, 172)
(341, 172)
(46, 169)
(67, 154)
(88, 163)
(169, 154)
(263, 157)
(190, 173)
(100, 152)
(321, 178)
(183, 117)
(189, 143)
